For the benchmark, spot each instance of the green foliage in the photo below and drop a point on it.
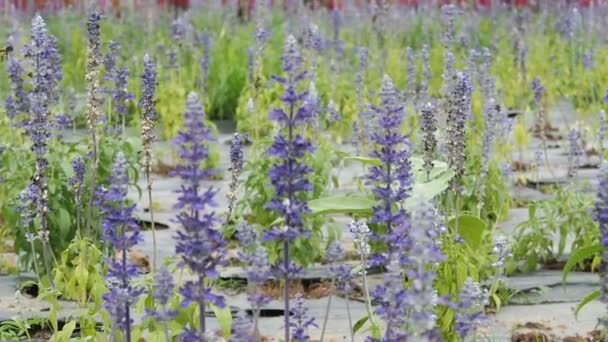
(564, 216)
(470, 228)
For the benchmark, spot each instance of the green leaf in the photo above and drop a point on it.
(588, 298)
(471, 228)
(497, 301)
(224, 318)
(578, 256)
(363, 160)
(340, 204)
(66, 333)
(359, 324)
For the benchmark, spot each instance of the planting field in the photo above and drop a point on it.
(374, 172)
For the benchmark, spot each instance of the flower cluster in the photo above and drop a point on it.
(469, 315)
(162, 291)
(258, 270)
(301, 321)
(601, 217)
(411, 72)
(575, 150)
(424, 254)
(17, 101)
(426, 73)
(121, 231)
(148, 105)
(200, 246)
(205, 61)
(458, 102)
(393, 149)
(289, 173)
(237, 162)
(428, 126)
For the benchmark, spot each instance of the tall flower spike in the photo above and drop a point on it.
(162, 291)
(242, 328)
(601, 134)
(289, 173)
(93, 105)
(575, 150)
(205, 61)
(491, 111)
(458, 101)
(17, 101)
(393, 149)
(148, 116)
(301, 321)
(392, 300)
(428, 125)
(199, 244)
(411, 73)
(470, 316)
(601, 217)
(110, 60)
(236, 166)
(44, 59)
(426, 74)
(121, 231)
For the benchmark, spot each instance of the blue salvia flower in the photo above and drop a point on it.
(172, 62)
(313, 102)
(301, 322)
(236, 166)
(424, 254)
(242, 328)
(120, 94)
(45, 61)
(162, 291)
(341, 273)
(588, 59)
(200, 246)
(491, 111)
(575, 150)
(601, 217)
(110, 60)
(411, 72)
(121, 231)
(258, 266)
(448, 70)
(601, 134)
(426, 74)
(448, 15)
(501, 252)
(393, 149)
(457, 109)
(360, 124)
(179, 30)
(148, 105)
(261, 32)
(77, 180)
(393, 303)
(469, 316)
(538, 89)
(333, 112)
(288, 175)
(428, 125)
(336, 21)
(205, 61)
(313, 42)
(17, 101)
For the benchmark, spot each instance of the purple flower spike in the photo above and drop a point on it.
(393, 149)
(121, 231)
(300, 320)
(288, 175)
(200, 245)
